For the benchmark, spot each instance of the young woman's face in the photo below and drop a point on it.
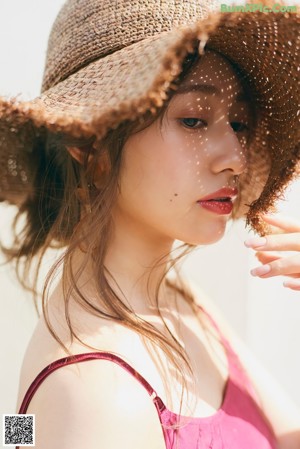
(200, 148)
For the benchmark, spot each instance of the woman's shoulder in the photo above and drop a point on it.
(45, 343)
(98, 396)
(43, 350)
(94, 405)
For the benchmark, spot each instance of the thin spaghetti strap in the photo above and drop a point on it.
(84, 358)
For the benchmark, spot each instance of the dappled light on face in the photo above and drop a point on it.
(185, 168)
(216, 112)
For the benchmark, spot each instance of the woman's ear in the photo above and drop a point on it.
(102, 170)
(77, 154)
(103, 165)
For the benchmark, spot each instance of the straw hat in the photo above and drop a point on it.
(112, 60)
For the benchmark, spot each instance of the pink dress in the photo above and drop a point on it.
(238, 424)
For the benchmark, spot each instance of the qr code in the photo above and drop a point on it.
(18, 430)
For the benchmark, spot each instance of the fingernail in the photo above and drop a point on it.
(260, 271)
(255, 242)
(288, 284)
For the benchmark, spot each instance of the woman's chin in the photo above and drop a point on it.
(206, 237)
(203, 242)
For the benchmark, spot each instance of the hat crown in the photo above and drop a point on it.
(86, 30)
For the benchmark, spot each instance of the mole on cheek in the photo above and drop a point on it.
(175, 194)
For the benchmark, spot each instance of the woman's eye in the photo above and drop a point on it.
(239, 127)
(193, 123)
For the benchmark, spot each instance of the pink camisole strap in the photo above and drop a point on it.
(77, 359)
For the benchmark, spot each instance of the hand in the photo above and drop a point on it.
(285, 237)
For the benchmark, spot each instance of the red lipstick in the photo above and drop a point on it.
(220, 202)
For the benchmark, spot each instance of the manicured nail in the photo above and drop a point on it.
(260, 271)
(255, 242)
(292, 285)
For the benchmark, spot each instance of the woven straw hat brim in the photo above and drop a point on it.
(127, 83)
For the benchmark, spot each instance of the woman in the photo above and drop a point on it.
(147, 133)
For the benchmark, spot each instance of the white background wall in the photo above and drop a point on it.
(265, 314)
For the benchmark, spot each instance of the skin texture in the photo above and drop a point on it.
(165, 172)
(200, 148)
(196, 152)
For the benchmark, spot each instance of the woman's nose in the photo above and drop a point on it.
(230, 153)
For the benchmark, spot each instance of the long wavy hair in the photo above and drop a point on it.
(66, 211)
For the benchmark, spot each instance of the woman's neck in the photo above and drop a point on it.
(138, 265)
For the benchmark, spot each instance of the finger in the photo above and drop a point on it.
(275, 230)
(272, 229)
(287, 266)
(288, 224)
(293, 285)
(278, 242)
(267, 257)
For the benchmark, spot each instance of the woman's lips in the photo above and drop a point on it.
(220, 202)
(218, 207)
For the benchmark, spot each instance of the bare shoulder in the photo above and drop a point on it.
(94, 404)
(90, 404)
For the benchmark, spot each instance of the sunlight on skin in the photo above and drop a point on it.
(195, 153)
(168, 169)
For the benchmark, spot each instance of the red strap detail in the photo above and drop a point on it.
(83, 358)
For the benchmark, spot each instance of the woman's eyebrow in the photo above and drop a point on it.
(208, 89)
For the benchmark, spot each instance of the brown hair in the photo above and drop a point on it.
(56, 216)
